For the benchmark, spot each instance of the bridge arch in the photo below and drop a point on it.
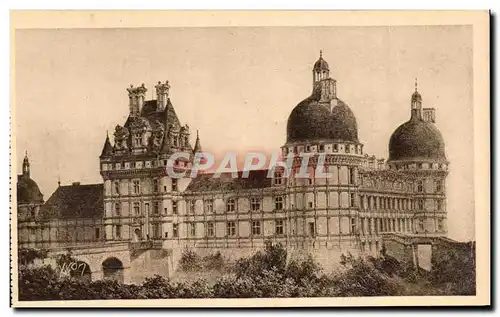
(113, 269)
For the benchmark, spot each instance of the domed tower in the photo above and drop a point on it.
(29, 196)
(322, 131)
(417, 148)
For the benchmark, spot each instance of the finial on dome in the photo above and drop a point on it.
(416, 84)
(320, 53)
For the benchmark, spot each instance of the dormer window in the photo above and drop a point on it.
(176, 141)
(420, 187)
(278, 178)
(335, 148)
(321, 147)
(137, 139)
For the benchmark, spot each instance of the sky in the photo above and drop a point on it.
(237, 86)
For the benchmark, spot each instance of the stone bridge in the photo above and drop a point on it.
(121, 261)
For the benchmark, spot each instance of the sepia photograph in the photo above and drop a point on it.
(250, 159)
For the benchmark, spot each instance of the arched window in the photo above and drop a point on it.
(420, 186)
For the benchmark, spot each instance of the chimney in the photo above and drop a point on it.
(371, 162)
(136, 96)
(162, 91)
(380, 163)
(429, 115)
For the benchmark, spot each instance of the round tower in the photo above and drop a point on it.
(417, 148)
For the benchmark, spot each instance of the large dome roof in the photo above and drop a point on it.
(309, 120)
(313, 121)
(28, 191)
(416, 140)
(344, 126)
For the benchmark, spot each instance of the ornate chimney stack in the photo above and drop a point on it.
(136, 97)
(162, 92)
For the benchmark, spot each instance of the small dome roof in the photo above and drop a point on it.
(28, 191)
(321, 65)
(416, 139)
(309, 120)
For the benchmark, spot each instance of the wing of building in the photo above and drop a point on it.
(350, 211)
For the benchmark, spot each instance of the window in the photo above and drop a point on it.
(278, 178)
(97, 233)
(174, 207)
(192, 229)
(137, 187)
(231, 229)
(156, 208)
(353, 225)
(310, 204)
(146, 208)
(176, 141)
(439, 186)
(156, 185)
(210, 229)
(174, 184)
(308, 148)
(117, 209)
(118, 232)
(191, 206)
(439, 205)
(175, 230)
(278, 203)
(420, 186)
(420, 204)
(352, 200)
(137, 139)
(312, 229)
(209, 206)
(347, 149)
(157, 230)
(419, 166)
(440, 225)
(335, 148)
(137, 209)
(230, 205)
(351, 176)
(279, 227)
(310, 181)
(255, 204)
(255, 227)
(421, 225)
(117, 188)
(164, 188)
(321, 147)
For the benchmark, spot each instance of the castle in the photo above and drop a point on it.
(140, 206)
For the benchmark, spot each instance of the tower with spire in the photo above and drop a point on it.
(26, 165)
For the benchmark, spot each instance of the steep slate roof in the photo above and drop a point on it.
(75, 201)
(107, 149)
(207, 182)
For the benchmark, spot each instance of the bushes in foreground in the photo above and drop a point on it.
(265, 274)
